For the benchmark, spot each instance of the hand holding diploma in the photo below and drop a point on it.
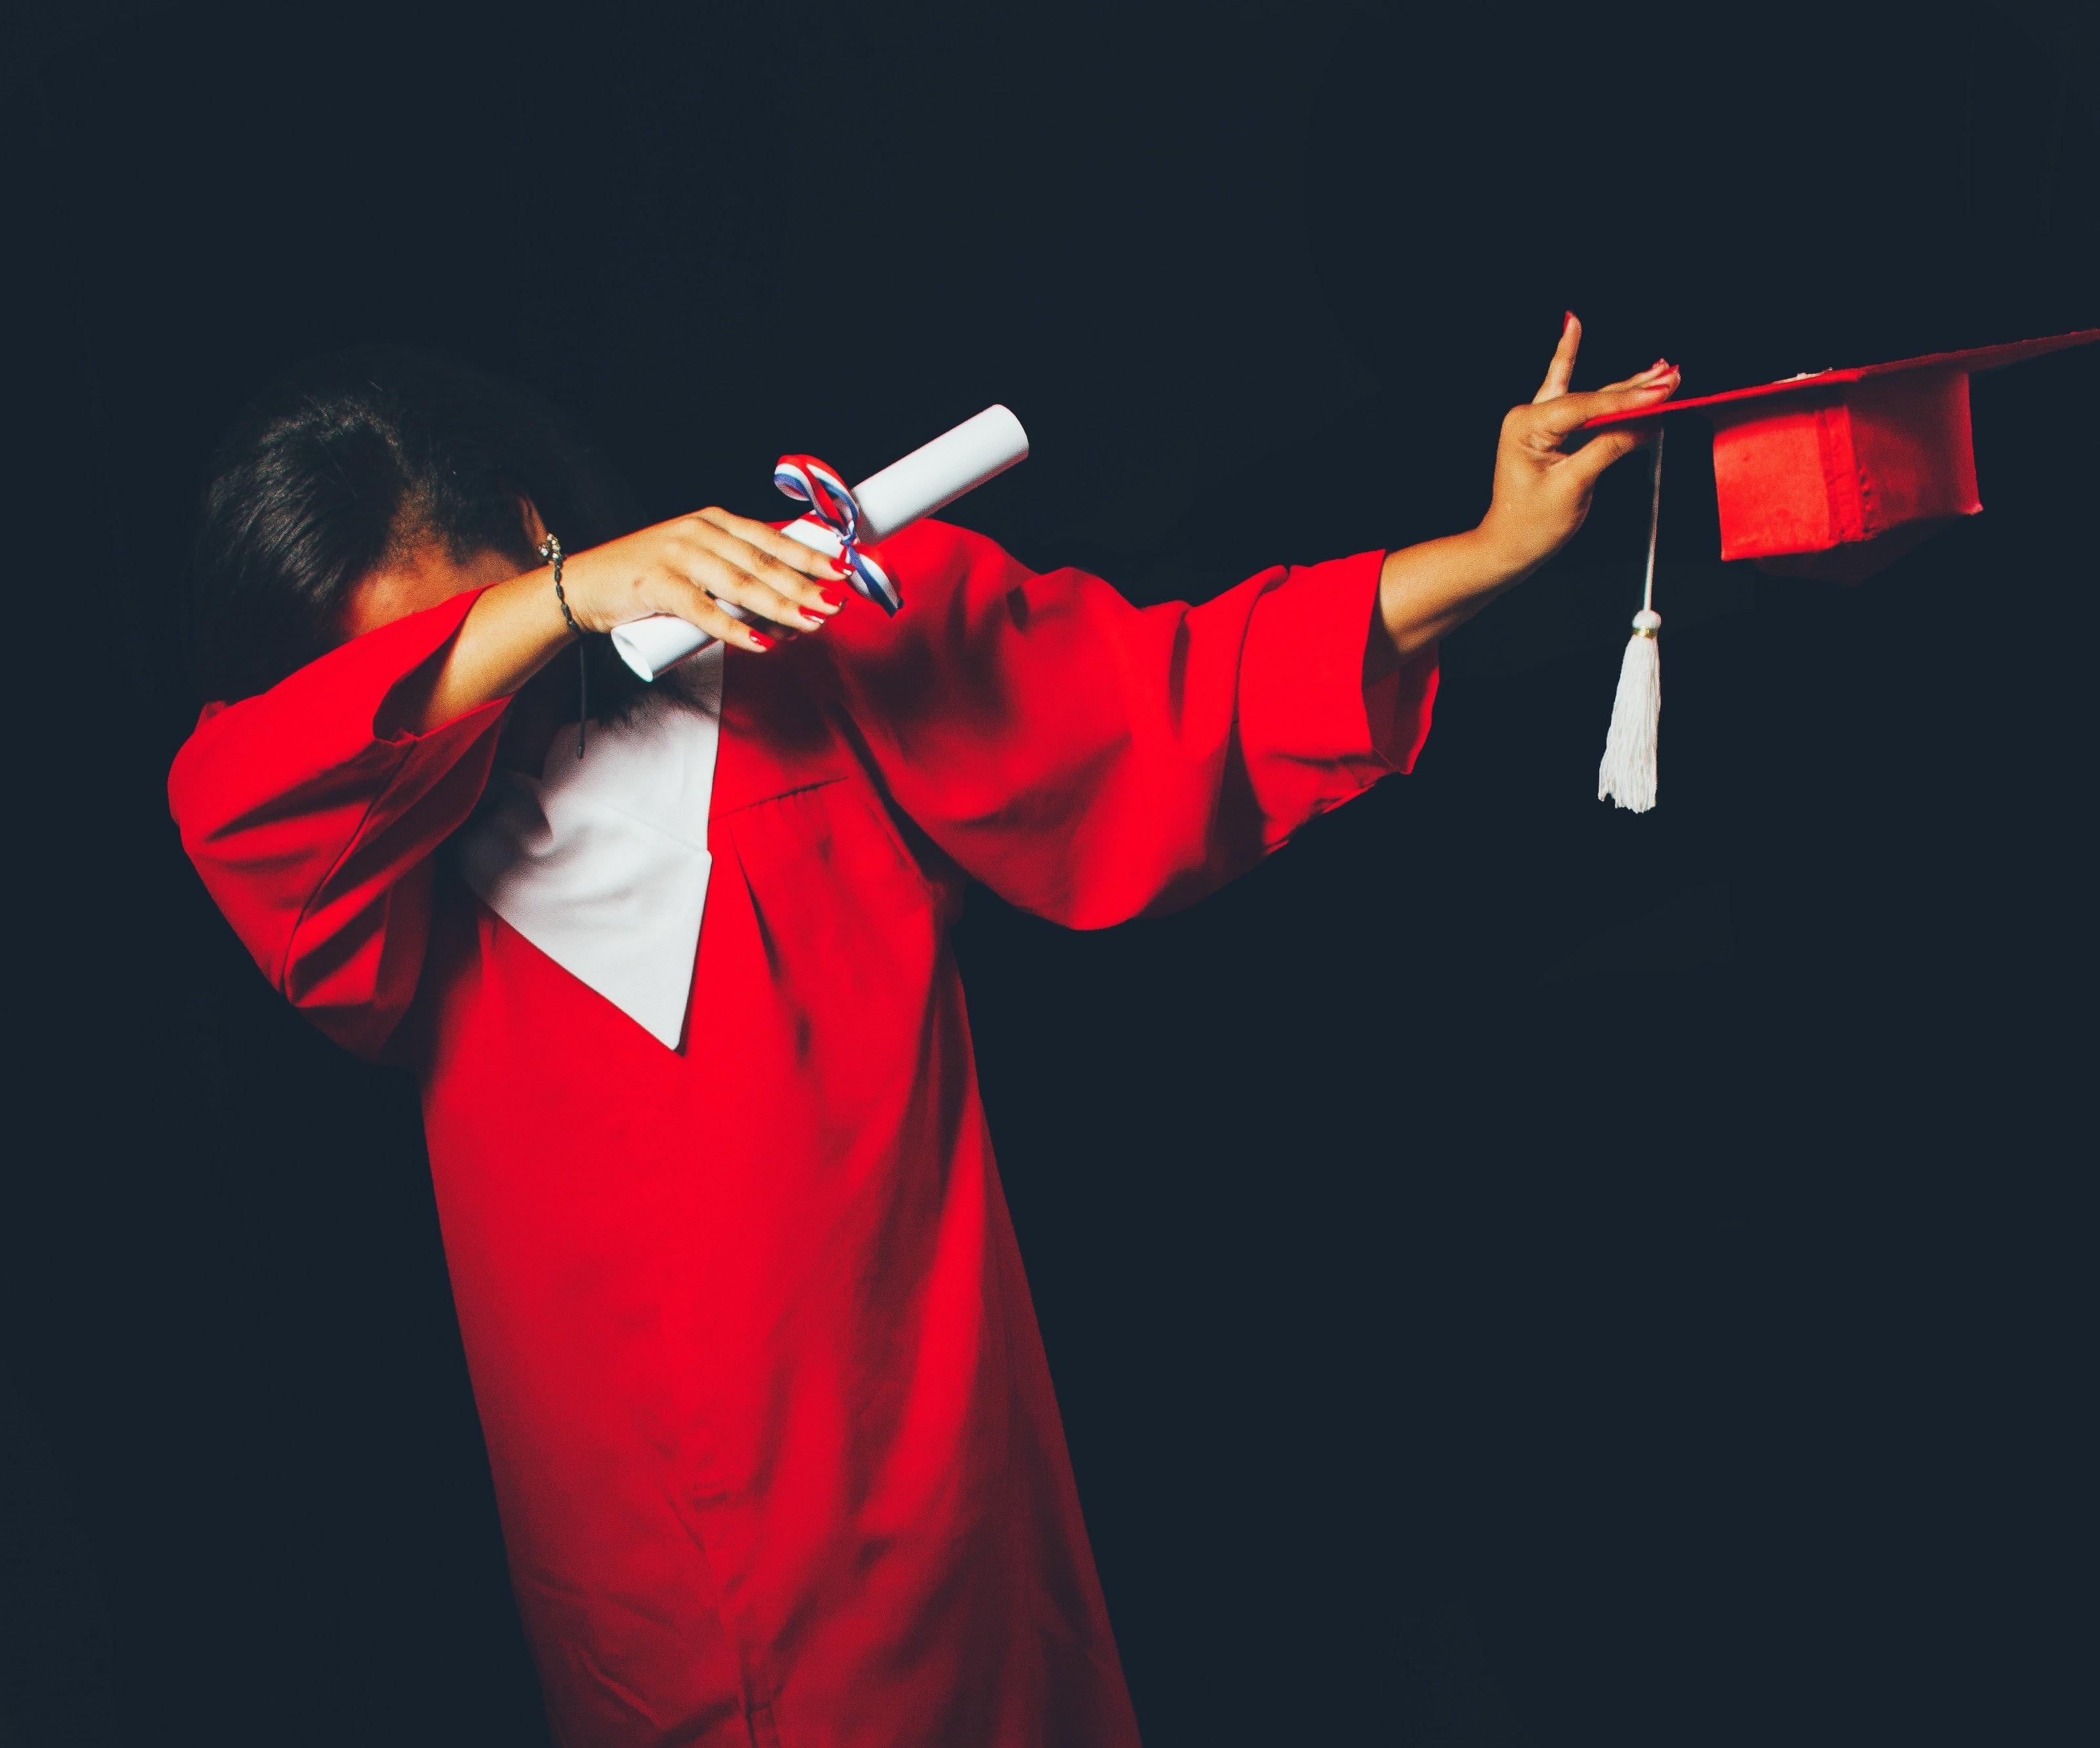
(697, 569)
(668, 592)
(845, 522)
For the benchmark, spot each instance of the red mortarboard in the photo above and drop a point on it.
(1832, 474)
(1839, 473)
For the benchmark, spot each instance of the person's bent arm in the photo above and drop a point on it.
(687, 567)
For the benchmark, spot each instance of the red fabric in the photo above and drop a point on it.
(774, 1439)
(1859, 476)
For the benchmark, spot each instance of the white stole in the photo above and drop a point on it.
(602, 862)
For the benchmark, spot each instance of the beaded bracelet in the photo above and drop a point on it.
(550, 549)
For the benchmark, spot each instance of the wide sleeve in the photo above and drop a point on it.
(314, 832)
(1092, 761)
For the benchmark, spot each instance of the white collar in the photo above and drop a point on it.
(602, 862)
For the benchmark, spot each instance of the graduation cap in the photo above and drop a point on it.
(1833, 474)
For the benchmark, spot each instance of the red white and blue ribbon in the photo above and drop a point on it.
(832, 502)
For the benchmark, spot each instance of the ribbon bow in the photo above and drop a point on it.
(832, 504)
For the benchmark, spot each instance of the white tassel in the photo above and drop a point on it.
(1627, 774)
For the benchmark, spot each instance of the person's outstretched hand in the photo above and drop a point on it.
(1542, 490)
(1543, 493)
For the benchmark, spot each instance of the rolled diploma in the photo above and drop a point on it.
(928, 479)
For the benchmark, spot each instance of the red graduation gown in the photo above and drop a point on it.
(773, 1435)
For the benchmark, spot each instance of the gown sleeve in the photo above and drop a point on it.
(1092, 761)
(314, 832)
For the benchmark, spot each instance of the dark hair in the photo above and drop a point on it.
(346, 457)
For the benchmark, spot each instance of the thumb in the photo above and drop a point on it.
(1615, 443)
(1568, 412)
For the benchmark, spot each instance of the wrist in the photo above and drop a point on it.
(584, 586)
(1500, 558)
(550, 549)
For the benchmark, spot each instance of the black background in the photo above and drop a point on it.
(1514, 1272)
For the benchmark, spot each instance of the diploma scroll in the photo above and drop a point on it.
(928, 479)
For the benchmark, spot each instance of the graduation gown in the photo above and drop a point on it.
(773, 1435)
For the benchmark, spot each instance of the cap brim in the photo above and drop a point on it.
(1976, 358)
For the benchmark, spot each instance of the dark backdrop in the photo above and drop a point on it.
(1514, 1272)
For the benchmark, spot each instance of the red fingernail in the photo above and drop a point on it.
(831, 600)
(840, 565)
(1567, 320)
(814, 618)
(762, 640)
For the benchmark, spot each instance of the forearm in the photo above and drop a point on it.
(1427, 592)
(696, 567)
(514, 629)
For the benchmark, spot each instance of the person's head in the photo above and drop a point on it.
(366, 485)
